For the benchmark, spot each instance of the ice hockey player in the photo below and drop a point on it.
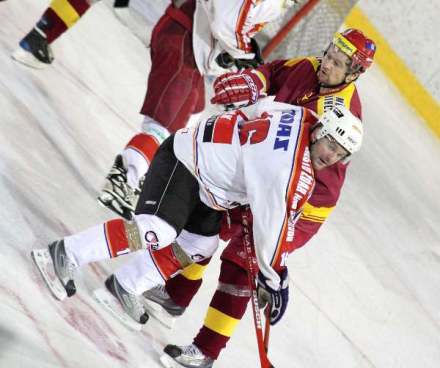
(193, 40)
(198, 173)
(319, 85)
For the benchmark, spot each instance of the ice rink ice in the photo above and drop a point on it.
(365, 292)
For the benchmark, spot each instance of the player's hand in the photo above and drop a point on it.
(277, 299)
(236, 88)
(251, 63)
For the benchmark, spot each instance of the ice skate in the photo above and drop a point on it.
(56, 268)
(129, 302)
(117, 195)
(188, 356)
(34, 50)
(159, 305)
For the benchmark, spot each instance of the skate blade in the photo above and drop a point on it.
(156, 311)
(26, 58)
(112, 306)
(43, 261)
(169, 362)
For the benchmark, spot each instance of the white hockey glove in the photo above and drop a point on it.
(277, 299)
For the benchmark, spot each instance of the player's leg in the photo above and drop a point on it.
(179, 205)
(180, 290)
(226, 309)
(61, 15)
(121, 190)
(175, 91)
(170, 197)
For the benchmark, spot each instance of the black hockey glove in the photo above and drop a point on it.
(277, 299)
(251, 63)
(227, 61)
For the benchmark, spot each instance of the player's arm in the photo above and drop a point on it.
(246, 87)
(234, 23)
(321, 204)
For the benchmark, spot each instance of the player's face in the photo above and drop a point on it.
(326, 152)
(334, 67)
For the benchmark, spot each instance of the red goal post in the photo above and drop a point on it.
(305, 29)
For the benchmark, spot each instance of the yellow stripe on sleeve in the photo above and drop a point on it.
(220, 322)
(65, 11)
(315, 214)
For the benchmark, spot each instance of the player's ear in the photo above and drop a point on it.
(352, 77)
(314, 133)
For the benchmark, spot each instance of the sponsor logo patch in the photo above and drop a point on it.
(152, 240)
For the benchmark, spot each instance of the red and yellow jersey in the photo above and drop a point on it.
(295, 81)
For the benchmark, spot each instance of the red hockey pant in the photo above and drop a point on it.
(175, 87)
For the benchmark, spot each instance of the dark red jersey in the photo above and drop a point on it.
(295, 81)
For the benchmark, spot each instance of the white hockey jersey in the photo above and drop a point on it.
(228, 26)
(257, 156)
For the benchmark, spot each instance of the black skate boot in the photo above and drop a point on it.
(117, 195)
(34, 50)
(188, 356)
(121, 3)
(129, 302)
(64, 268)
(56, 269)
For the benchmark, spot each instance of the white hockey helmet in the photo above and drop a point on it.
(342, 126)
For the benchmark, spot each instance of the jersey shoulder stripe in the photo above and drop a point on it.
(298, 189)
(313, 61)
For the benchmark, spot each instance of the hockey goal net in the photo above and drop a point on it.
(305, 29)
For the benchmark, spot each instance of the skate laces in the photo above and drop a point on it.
(161, 292)
(134, 304)
(69, 267)
(63, 265)
(193, 352)
(118, 178)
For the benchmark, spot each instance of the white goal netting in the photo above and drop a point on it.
(312, 34)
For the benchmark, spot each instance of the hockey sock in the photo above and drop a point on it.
(184, 286)
(60, 16)
(138, 154)
(225, 311)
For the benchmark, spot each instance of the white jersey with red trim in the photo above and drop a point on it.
(257, 156)
(228, 26)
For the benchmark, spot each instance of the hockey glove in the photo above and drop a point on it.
(237, 88)
(251, 63)
(277, 299)
(225, 60)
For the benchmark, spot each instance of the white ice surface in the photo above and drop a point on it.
(365, 291)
